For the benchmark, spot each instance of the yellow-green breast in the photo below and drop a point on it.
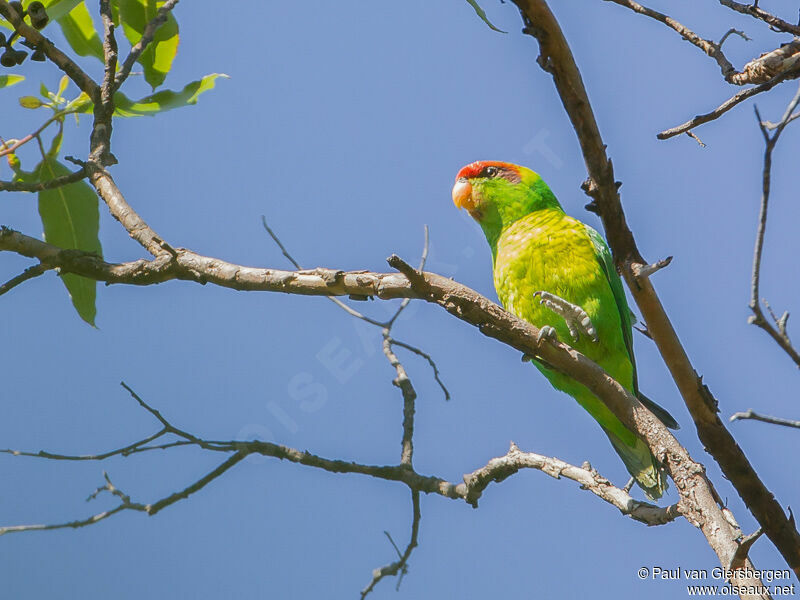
(550, 251)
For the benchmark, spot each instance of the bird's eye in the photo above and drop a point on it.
(491, 171)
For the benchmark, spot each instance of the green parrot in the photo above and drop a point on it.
(558, 274)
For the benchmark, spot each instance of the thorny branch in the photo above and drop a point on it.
(777, 331)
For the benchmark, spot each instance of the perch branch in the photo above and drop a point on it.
(556, 58)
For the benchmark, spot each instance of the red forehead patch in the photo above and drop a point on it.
(474, 169)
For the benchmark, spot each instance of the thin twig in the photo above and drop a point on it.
(758, 318)
(733, 31)
(470, 490)
(401, 565)
(708, 47)
(751, 414)
(754, 11)
(11, 148)
(423, 259)
(38, 186)
(345, 307)
(430, 360)
(403, 382)
(729, 104)
(27, 274)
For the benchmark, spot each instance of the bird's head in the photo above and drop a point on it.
(498, 193)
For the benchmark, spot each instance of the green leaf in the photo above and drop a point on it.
(62, 86)
(71, 219)
(58, 8)
(9, 80)
(480, 12)
(156, 60)
(30, 102)
(151, 105)
(166, 99)
(78, 28)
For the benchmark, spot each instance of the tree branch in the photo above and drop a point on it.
(27, 274)
(778, 332)
(401, 565)
(473, 486)
(730, 103)
(556, 58)
(708, 47)
(38, 186)
(754, 11)
(750, 414)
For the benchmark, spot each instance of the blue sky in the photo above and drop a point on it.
(345, 126)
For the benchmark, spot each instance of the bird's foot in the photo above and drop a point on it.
(546, 333)
(629, 485)
(576, 318)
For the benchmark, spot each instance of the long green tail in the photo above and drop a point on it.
(638, 459)
(642, 465)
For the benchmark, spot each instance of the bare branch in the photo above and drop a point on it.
(126, 504)
(107, 189)
(556, 58)
(754, 11)
(751, 414)
(500, 468)
(401, 565)
(345, 307)
(100, 139)
(30, 273)
(710, 48)
(730, 32)
(729, 104)
(38, 186)
(403, 382)
(777, 332)
(431, 362)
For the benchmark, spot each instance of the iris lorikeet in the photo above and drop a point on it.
(558, 274)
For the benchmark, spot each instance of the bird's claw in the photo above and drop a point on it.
(546, 333)
(576, 318)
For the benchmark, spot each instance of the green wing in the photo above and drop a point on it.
(607, 263)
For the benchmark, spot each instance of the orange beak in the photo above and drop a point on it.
(462, 194)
